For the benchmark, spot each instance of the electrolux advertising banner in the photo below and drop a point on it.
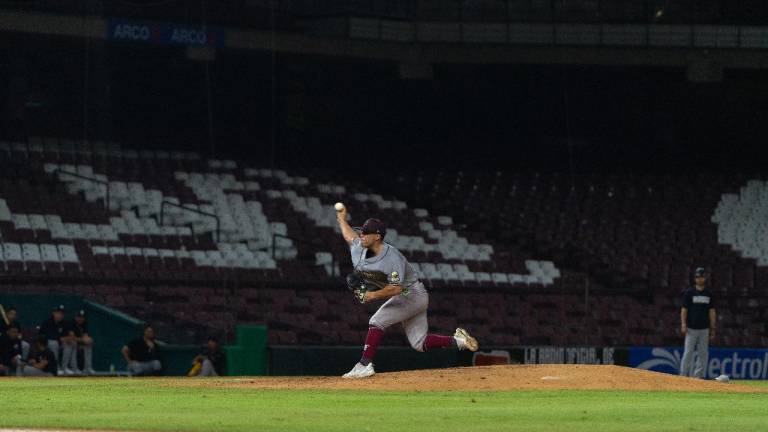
(164, 33)
(736, 363)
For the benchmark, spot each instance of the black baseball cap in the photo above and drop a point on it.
(59, 308)
(374, 226)
(80, 313)
(700, 272)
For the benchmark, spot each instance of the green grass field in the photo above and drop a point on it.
(155, 405)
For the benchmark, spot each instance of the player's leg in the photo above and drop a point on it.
(416, 329)
(702, 351)
(140, 368)
(393, 311)
(145, 368)
(34, 372)
(376, 327)
(155, 367)
(405, 309)
(54, 345)
(688, 348)
(135, 368)
(67, 351)
(24, 350)
(88, 359)
(207, 369)
(73, 358)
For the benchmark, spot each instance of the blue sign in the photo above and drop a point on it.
(164, 33)
(736, 363)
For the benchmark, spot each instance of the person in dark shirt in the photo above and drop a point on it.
(698, 322)
(55, 330)
(212, 360)
(141, 354)
(13, 320)
(10, 350)
(78, 332)
(43, 362)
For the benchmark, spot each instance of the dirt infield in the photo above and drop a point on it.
(492, 378)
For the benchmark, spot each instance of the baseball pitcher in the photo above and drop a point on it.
(381, 272)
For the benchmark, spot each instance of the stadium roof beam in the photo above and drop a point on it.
(427, 53)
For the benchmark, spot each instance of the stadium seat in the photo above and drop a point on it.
(32, 258)
(14, 261)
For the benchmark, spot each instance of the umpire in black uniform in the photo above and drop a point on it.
(698, 322)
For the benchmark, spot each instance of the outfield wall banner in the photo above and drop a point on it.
(568, 355)
(164, 33)
(550, 355)
(736, 363)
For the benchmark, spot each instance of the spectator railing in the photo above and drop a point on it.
(193, 210)
(59, 171)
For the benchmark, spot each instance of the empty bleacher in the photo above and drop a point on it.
(92, 215)
(218, 219)
(203, 244)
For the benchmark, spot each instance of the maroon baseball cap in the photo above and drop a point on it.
(374, 226)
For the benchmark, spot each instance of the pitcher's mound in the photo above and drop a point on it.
(496, 378)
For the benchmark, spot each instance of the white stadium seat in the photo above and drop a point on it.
(483, 278)
(38, 222)
(31, 252)
(100, 250)
(67, 254)
(12, 252)
(74, 231)
(49, 253)
(499, 278)
(117, 250)
(5, 212)
(21, 221)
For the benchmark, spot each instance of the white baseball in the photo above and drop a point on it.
(338, 206)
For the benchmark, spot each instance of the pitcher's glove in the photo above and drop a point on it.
(360, 282)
